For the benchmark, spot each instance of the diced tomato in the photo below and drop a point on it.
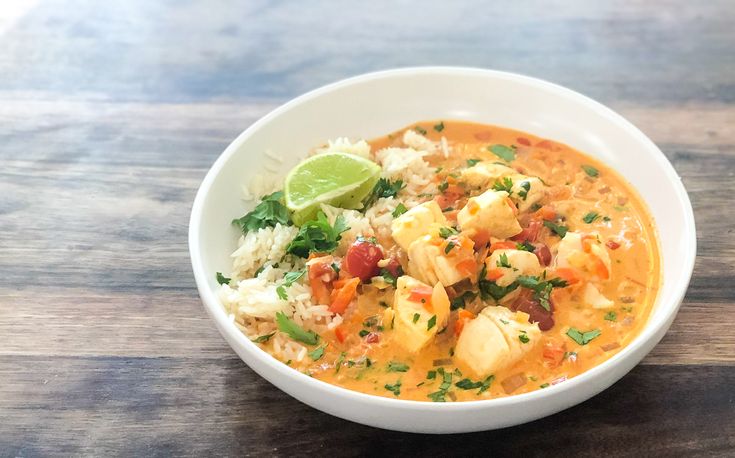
(504, 245)
(553, 353)
(372, 338)
(567, 274)
(612, 244)
(462, 317)
(523, 141)
(543, 254)
(341, 333)
(530, 233)
(537, 314)
(421, 293)
(362, 259)
(344, 296)
(494, 274)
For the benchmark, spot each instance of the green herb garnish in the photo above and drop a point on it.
(503, 152)
(590, 217)
(559, 230)
(400, 209)
(222, 280)
(541, 287)
(449, 247)
(473, 162)
(611, 316)
(525, 187)
(439, 127)
(460, 301)
(395, 388)
(395, 366)
(591, 171)
(446, 232)
(317, 353)
(583, 338)
(523, 338)
(416, 317)
(431, 323)
(269, 212)
(383, 188)
(294, 331)
(506, 184)
(264, 338)
(317, 236)
(525, 246)
(503, 261)
(420, 130)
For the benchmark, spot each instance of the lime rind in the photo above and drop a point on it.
(337, 179)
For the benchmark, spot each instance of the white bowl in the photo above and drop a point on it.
(371, 105)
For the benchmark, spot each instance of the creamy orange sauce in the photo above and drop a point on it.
(633, 283)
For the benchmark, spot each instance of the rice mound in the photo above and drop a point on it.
(253, 301)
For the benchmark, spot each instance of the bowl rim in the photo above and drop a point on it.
(652, 330)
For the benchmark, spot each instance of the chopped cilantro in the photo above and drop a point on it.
(339, 361)
(395, 388)
(525, 246)
(395, 366)
(525, 187)
(446, 232)
(222, 280)
(383, 188)
(590, 217)
(523, 338)
(440, 396)
(489, 289)
(473, 162)
(416, 317)
(264, 338)
(460, 301)
(431, 323)
(544, 385)
(363, 332)
(317, 236)
(583, 338)
(503, 261)
(503, 152)
(591, 171)
(400, 209)
(559, 230)
(317, 353)
(388, 277)
(420, 130)
(335, 268)
(269, 212)
(449, 247)
(431, 375)
(541, 287)
(611, 316)
(467, 384)
(506, 184)
(294, 331)
(282, 294)
(443, 186)
(439, 127)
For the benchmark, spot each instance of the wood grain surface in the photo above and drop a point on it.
(111, 114)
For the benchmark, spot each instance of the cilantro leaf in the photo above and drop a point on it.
(317, 353)
(383, 188)
(583, 338)
(222, 280)
(503, 152)
(591, 217)
(400, 209)
(446, 232)
(431, 323)
(611, 316)
(396, 366)
(439, 127)
(317, 236)
(558, 229)
(294, 331)
(395, 388)
(467, 384)
(473, 162)
(505, 185)
(503, 261)
(264, 338)
(460, 301)
(525, 187)
(590, 171)
(420, 130)
(269, 212)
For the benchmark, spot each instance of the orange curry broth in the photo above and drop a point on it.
(633, 283)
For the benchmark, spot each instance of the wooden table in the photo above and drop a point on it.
(112, 112)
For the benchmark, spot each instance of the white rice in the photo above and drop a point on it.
(253, 302)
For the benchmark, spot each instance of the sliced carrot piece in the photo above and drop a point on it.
(419, 293)
(494, 274)
(467, 267)
(504, 245)
(344, 296)
(567, 274)
(340, 333)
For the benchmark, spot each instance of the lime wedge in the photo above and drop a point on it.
(337, 179)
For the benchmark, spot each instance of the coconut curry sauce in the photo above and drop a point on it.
(566, 282)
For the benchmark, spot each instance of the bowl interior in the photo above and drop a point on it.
(370, 106)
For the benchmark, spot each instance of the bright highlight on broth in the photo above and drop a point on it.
(447, 261)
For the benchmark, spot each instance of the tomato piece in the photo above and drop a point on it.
(494, 274)
(567, 274)
(372, 338)
(421, 293)
(504, 245)
(362, 259)
(537, 314)
(530, 233)
(612, 244)
(523, 141)
(543, 254)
